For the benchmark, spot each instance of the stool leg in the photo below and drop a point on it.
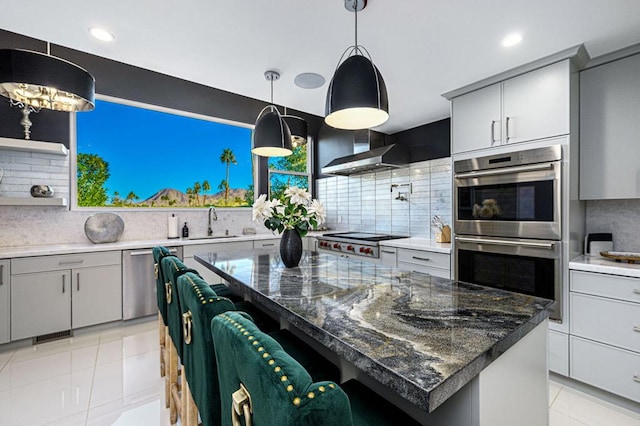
(167, 378)
(161, 336)
(173, 381)
(189, 412)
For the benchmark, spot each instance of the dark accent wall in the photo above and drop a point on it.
(137, 84)
(426, 142)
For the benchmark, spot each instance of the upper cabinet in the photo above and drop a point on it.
(609, 130)
(531, 106)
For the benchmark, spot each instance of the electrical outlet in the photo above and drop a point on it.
(339, 219)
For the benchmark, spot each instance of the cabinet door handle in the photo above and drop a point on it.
(71, 262)
(636, 378)
(388, 252)
(78, 281)
(493, 132)
(1, 274)
(636, 328)
(426, 259)
(507, 128)
(268, 245)
(63, 282)
(636, 290)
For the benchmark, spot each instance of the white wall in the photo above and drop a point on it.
(366, 203)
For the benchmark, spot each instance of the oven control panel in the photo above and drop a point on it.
(349, 248)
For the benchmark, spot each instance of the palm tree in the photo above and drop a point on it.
(227, 157)
(132, 196)
(223, 187)
(196, 191)
(205, 187)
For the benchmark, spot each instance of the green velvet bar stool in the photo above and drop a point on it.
(158, 253)
(199, 304)
(261, 380)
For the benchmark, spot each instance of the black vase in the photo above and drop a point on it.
(290, 248)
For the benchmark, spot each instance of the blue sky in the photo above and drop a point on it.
(150, 150)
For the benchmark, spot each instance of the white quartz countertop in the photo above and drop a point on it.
(604, 266)
(418, 244)
(51, 249)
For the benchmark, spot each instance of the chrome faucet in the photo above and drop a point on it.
(212, 216)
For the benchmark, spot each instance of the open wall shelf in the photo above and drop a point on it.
(25, 201)
(34, 146)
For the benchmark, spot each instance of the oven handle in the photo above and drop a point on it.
(506, 170)
(505, 242)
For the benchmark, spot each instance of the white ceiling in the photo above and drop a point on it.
(423, 48)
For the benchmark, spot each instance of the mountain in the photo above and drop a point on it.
(174, 198)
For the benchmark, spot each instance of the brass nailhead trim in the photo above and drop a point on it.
(296, 401)
(321, 389)
(311, 395)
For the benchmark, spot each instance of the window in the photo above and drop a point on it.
(292, 170)
(136, 155)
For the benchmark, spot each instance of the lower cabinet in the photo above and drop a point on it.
(389, 256)
(428, 262)
(559, 352)
(5, 302)
(58, 293)
(269, 243)
(605, 332)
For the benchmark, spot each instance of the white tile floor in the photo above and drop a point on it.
(111, 377)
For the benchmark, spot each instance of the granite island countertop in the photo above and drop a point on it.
(421, 336)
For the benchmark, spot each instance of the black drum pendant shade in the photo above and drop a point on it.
(357, 96)
(298, 128)
(271, 135)
(44, 81)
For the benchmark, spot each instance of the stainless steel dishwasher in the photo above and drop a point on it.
(139, 283)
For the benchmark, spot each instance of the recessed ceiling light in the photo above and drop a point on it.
(309, 80)
(511, 40)
(101, 34)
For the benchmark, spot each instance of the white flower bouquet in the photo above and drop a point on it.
(296, 210)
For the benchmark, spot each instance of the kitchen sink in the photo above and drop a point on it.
(213, 237)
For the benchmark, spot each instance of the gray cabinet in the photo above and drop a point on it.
(428, 262)
(389, 256)
(532, 106)
(609, 129)
(5, 302)
(58, 293)
(605, 330)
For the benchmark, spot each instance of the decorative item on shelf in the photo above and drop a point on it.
(104, 228)
(34, 80)
(295, 212)
(357, 95)
(271, 134)
(443, 232)
(41, 191)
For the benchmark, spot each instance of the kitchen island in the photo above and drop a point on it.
(448, 353)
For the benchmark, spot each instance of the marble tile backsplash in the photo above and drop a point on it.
(26, 226)
(619, 217)
(400, 201)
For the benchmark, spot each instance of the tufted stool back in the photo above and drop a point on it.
(280, 390)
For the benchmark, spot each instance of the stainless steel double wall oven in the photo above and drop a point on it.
(507, 222)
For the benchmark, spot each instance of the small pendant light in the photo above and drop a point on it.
(34, 80)
(298, 128)
(271, 135)
(357, 95)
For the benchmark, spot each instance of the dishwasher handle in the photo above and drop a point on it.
(147, 252)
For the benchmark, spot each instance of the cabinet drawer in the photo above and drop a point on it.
(190, 250)
(616, 287)
(272, 243)
(25, 265)
(424, 258)
(612, 369)
(436, 272)
(610, 321)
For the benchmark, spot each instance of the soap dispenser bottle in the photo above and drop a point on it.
(185, 231)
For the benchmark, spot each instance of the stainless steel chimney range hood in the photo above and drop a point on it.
(376, 159)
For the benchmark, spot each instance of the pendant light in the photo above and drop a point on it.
(357, 95)
(298, 128)
(271, 135)
(34, 80)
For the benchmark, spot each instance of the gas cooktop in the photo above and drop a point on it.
(363, 236)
